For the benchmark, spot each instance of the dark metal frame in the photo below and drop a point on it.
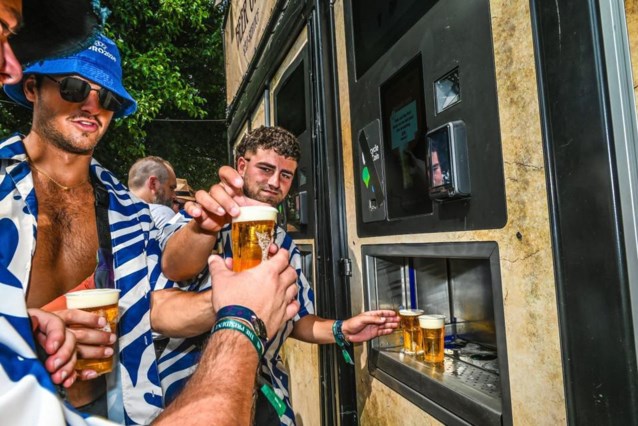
(289, 18)
(442, 402)
(338, 377)
(594, 305)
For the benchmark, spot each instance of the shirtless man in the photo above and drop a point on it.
(24, 387)
(73, 27)
(55, 184)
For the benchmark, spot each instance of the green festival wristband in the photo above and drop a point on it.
(237, 325)
(273, 398)
(340, 340)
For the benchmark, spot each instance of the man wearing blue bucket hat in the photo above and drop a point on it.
(86, 222)
(99, 64)
(34, 197)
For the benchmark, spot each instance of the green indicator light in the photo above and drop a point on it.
(365, 175)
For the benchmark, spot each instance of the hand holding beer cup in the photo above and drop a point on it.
(58, 344)
(92, 316)
(252, 233)
(217, 206)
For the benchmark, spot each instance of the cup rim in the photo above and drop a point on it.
(93, 291)
(438, 318)
(248, 213)
(411, 312)
(92, 298)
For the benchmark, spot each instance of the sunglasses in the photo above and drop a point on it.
(73, 89)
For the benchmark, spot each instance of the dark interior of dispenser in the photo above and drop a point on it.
(460, 289)
(463, 289)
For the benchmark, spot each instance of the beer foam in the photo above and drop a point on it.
(255, 213)
(92, 298)
(432, 321)
(410, 312)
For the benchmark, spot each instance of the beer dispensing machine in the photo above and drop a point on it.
(428, 159)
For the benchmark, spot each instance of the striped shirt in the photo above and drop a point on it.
(272, 365)
(135, 394)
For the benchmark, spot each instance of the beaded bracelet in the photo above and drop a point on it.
(242, 327)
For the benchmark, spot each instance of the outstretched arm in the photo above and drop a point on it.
(179, 313)
(360, 328)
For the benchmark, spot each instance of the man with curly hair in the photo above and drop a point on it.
(266, 160)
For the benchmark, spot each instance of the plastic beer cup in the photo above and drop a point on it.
(252, 233)
(103, 302)
(411, 331)
(433, 331)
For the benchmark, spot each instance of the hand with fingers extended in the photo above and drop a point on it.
(269, 289)
(368, 325)
(59, 345)
(221, 203)
(92, 340)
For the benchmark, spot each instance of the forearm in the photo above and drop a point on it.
(220, 392)
(187, 251)
(313, 329)
(178, 313)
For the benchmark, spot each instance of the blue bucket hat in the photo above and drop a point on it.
(99, 63)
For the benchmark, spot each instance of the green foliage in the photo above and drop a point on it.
(173, 66)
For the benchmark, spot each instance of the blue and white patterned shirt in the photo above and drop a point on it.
(272, 365)
(136, 262)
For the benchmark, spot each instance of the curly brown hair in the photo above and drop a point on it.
(276, 138)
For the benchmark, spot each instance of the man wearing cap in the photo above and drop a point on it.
(66, 199)
(153, 180)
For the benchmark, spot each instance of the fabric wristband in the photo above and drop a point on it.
(266, 389)
(235, 311)
(234, 324)
(341, 341)
(238, 311)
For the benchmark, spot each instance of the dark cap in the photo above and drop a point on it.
(56, 28)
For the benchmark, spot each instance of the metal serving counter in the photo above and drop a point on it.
(461, 281)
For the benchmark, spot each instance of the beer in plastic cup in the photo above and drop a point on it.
(433, 330)
(411, 331)
(252, 234)
(103, 302)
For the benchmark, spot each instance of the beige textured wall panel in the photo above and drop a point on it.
(245, 25)
(302, 360)
(383, 407)
(524, 243)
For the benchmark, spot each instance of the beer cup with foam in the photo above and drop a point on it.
(411, 330)
(103, 302)
(252, 233)
(433, 330)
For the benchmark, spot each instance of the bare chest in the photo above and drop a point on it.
(66, 242)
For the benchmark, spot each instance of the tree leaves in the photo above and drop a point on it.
(173, 66)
